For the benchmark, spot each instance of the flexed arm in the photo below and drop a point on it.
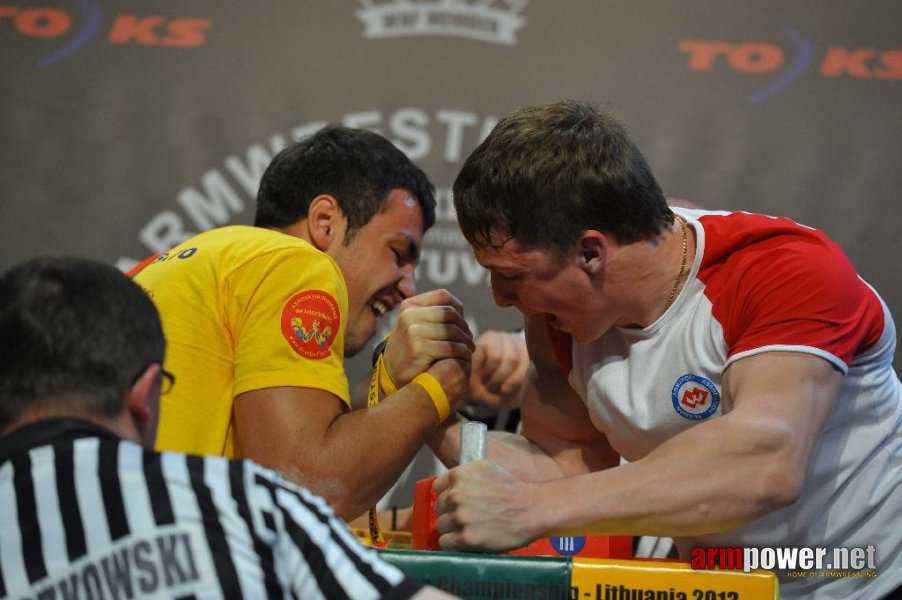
(353, 457)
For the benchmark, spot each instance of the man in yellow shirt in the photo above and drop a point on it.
(259, 320)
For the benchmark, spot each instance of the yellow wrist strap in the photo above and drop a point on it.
(436, 394)
(375, 531)
(385, 383)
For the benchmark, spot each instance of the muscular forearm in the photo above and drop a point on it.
(524, 459)
(713, 476)
(365, 451)
(350, 458)
(681, 488)
(483, 506)
(725, 472)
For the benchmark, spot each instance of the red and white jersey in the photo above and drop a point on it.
(764, 284)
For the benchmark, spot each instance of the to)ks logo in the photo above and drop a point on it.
(695, 397)
(78, 25)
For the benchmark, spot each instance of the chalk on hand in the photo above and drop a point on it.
(472, 442)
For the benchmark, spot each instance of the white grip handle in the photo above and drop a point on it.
(472, 441)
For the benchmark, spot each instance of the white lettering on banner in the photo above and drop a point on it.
(449, 266)
(363, 120)
(249, 174)
(211, 209)
(445, 237)
(408, 126)
(306, 130)
(225, 192)
(163, 232)
(408, 129)
(456, 121)
(444, 207)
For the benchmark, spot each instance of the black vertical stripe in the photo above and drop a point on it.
(2, 583)
(361, 565)
(160, 501)
(314, 556)
(264, 552)
(32, 554)
(111, 488)
(365, 568)
(216, 539)
(313, 553)
(64, 457)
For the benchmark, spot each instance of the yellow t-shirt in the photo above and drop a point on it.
(243, 308)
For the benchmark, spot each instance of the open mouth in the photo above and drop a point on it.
(379, 308)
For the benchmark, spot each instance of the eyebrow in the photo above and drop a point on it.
(413, 251)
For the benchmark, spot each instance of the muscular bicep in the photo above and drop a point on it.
(285, 428)
(783, 399)
(796, 387)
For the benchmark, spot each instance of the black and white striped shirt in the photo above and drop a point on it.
(84, 514)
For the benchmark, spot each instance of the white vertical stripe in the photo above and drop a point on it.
(188, 518)
(298, 573)
(11, 549)
(90, 499)
(241, 546)
(368, 555)
(53, 538)
(181, 495)
(355, 584)
(388, 571)
(290, 565)
(138, 510)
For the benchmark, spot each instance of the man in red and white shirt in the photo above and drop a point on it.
(736, 362)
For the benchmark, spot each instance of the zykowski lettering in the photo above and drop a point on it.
(140, 568)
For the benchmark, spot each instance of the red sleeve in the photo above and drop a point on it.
(773, 282)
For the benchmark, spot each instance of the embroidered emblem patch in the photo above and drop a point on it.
(310, 322)
(695, 397)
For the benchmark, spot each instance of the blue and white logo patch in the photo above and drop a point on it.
(695, 397)
(568, 546)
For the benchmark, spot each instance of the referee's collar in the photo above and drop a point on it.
(48, 431)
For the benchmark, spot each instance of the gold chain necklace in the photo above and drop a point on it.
(676, 283)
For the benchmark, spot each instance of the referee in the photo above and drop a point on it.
(88, 510)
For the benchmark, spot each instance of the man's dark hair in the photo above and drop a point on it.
(545, 174)
(73, 332)
(359, 168)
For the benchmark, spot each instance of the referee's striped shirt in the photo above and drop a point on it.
(84, 514)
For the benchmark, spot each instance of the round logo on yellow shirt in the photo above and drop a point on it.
(310, 322)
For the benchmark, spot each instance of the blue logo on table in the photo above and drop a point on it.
(568, 546)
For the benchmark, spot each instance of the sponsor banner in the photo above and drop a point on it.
(609, 579)
(131, 125)
(794, 562)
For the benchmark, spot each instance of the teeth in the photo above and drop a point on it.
(380, 308)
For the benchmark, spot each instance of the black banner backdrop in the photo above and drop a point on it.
(129, 125)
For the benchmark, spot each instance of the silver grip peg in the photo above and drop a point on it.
(472, 441)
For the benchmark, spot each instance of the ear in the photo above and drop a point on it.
(592, 248)
(324, 222)
(143, 403)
